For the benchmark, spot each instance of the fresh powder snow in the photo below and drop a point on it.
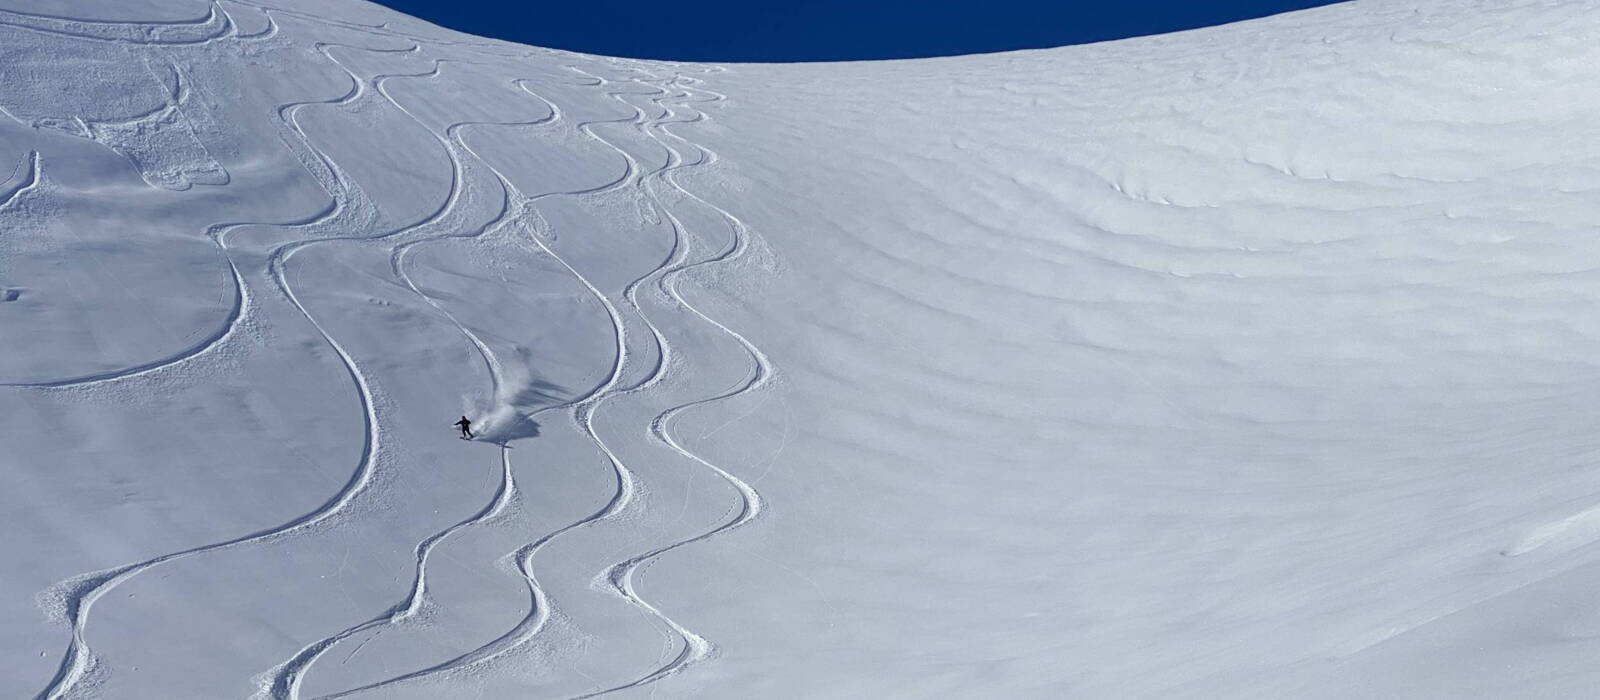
(1257, 361)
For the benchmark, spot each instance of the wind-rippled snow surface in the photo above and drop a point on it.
(1252, 362)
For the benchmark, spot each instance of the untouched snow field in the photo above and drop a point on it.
(1258, 361)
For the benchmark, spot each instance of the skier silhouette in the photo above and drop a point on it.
(466, 428)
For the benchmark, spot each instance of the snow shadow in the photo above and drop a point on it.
(509, 415)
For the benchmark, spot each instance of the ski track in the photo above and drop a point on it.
(538, 606)
(216, 232)
(474, 42)
(78, 595)
(621, 576)
(268, 33)
(349, 210)
(287, 677)
(582, 409)
(29, 181)
(215, 25)
(692, 647)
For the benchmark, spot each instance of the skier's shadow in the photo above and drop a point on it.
(532, 397)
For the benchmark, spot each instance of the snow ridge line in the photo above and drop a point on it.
(383, 30)
(620, 576)
(76, 596)
(540, 608)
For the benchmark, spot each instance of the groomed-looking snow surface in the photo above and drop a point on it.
(1251, 362)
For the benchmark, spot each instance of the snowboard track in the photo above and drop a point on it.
(539, 604)
(77, 595)
(287, 677)
(29, 179)
(349, 209)
(620, 576)
(691, 646)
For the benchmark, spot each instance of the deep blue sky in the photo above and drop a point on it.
(825, 30)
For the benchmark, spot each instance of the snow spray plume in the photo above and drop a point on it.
(507, 415)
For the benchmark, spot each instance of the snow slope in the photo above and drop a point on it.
(1249, 362)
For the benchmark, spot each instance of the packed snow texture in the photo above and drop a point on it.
(1250, 362)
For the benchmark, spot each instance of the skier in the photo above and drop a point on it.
(466, 428)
